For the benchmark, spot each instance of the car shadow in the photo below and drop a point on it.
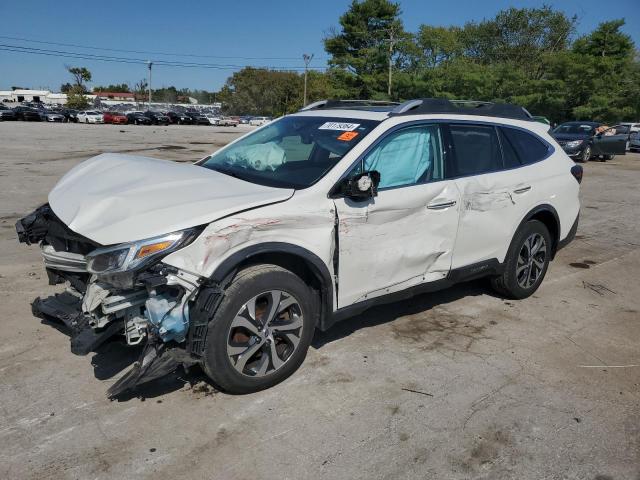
(391, 311)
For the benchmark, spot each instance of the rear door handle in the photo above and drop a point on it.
(524, 189)
(441, 206)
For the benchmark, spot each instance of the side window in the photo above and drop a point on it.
(509, 155)
(407, 157)
(529, 148)
(476, 150)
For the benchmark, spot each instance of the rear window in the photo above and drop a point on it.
(529, 148)
(293, 152)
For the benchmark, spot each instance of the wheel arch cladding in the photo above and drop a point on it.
(549, 217)
(298, 260)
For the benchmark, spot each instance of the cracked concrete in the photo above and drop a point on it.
(458, 384)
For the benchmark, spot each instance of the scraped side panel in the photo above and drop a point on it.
(301, 223)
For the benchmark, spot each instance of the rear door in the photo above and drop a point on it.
(405, 235)
(612, 141)
(499, 183)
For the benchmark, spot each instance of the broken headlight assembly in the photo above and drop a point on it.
(132, 256)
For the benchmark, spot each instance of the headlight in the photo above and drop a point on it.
(573, 143)
(129, 256)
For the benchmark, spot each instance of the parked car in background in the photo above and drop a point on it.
(634, 142)
(27, 114)
(582, 142)
(53, 116)
(633, 126)
(541, 119)
(624, 129)
(245, 120)
(6, 113)
(213, 119)
(228, 122)
(198, 118)
(115, 118)
(179, 118)
(138, 118)
(157, 118)
(90, 116)
(259, 121)
(224, 264)
(70, 115)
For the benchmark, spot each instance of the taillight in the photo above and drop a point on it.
(576, 171)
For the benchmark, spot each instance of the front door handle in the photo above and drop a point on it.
(524, 189)
(441, 206)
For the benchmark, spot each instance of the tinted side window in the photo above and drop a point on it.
(476, 150)
(509, 155)
(528, 147)
(407, 157)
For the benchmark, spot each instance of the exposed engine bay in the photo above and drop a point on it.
(147, 305)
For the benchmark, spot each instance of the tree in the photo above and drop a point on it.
(123, 87)
(521, 36)
(606, 41)
(76, 98)
(371, 31)
(80, 75)
(66, 87)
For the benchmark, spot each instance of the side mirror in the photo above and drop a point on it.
(361, 186)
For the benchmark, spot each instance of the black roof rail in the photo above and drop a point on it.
(461, 107)
(348, 104)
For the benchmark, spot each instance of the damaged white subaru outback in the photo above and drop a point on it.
(233, 262)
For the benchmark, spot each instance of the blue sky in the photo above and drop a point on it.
(231, 31)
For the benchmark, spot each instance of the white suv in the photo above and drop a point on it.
(234, 262)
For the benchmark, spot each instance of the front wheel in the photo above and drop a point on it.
(586, 154)
(261, 331)
(526, 262)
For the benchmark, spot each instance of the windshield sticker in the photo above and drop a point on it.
(347, 136)
(345, 127)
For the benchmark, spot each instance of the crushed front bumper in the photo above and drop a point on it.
(149, 307)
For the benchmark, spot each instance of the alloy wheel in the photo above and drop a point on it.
(531, 260)
(265, 333)
(586, 154)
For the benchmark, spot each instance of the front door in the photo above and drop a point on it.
(610, 142)
(405, 235)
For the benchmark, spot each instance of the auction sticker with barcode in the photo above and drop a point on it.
(344, 127)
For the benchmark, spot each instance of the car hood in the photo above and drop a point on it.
(114, 198)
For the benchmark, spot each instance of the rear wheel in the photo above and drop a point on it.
(261, 331)
(607, 157)
(526, 262)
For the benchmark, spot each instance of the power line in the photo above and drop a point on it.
(146, 52)
(109, 58)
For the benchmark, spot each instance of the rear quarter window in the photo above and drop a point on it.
(528, 147)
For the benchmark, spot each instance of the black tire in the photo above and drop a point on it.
(586, 154)
(607, 157)
(509, 282)
(248, 284)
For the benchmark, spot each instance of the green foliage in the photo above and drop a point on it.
(524, 56)
(76, 98)
(606, 41)
(122, 88)
(80, 76)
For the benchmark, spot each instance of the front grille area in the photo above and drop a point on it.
(66, 261)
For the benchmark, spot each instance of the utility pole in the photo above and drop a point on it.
(391, 40)
(307, 60)
(149, 64)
